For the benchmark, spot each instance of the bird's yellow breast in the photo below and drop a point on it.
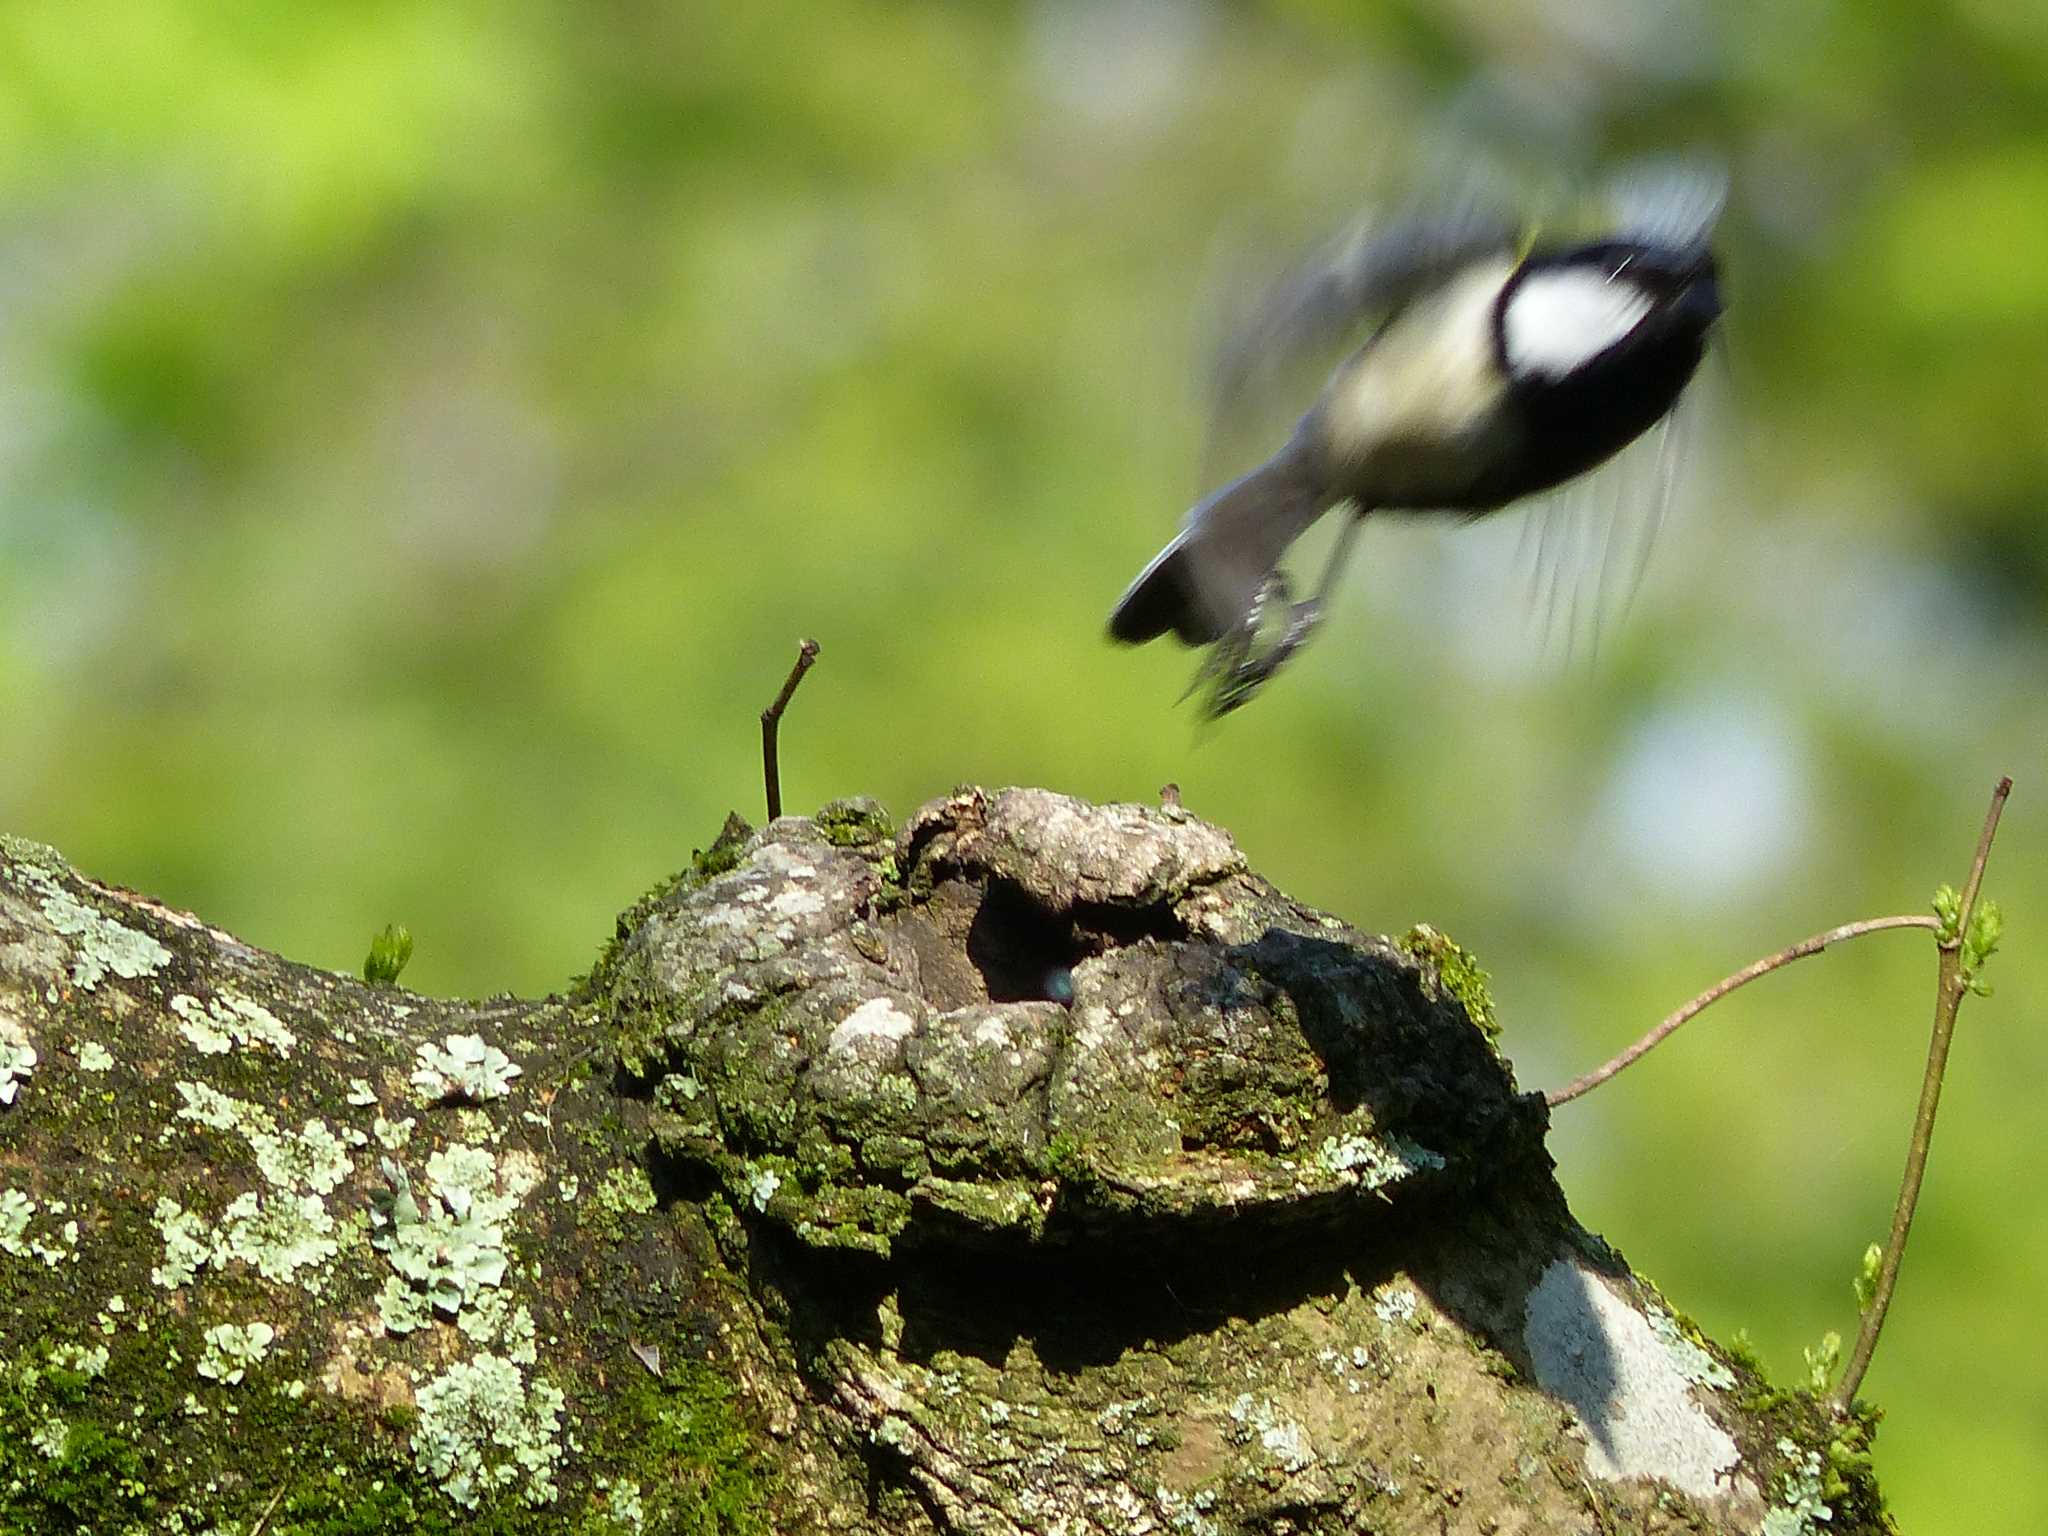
(1415, 414)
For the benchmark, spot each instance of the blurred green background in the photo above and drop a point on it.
(425, 432)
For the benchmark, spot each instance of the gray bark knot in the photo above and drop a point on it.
(1092, 1185)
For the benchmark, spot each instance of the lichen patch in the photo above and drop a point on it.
(877, 1019)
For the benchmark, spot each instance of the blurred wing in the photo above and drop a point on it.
(1592, 540)
(1588, 544)
(1673, 202)
(1294, 332)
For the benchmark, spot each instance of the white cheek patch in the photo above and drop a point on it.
(1558, 319)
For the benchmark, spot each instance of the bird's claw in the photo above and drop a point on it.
(1237, 666)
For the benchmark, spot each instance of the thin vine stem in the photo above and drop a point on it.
(1950, 987)
(1720, 989)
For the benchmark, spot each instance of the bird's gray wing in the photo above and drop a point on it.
(1306, 320)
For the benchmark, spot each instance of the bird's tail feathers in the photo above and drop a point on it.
(1204, 582)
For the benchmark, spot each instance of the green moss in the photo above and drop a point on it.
(376, 1497)
(892, 895)
(855, 823)
(623, 1193)
(1066, 1160)
(94, 1480)
(1450, 970)
(1851, 1480)
(682, 1441)
(725, 851)
(343, 1505)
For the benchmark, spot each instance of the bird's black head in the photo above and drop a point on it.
(1597, 343)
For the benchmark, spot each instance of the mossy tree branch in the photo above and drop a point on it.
(1035, 1165)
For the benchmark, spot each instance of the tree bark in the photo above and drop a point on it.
(1036, 1168)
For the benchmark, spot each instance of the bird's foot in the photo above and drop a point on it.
(1238, 665)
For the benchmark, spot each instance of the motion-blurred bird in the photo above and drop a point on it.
(1498, 368)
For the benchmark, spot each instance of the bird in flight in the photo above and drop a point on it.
(1498, 366)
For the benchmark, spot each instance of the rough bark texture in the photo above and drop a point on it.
(1034, 1169)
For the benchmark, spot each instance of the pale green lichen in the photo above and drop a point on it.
(313, 1160)
(622, 1503)
(217, 1111)
(34, 857)
(1691, 1361)
(195, 1028)
(1348, 1367)
(450, 1244)
(1279, 1436)
(360, 1093)
(233, 1349)
(99, 944)
(226, 1021)
(15, 1210)
(1801, 1510)
(17, 1059)
(762, 1183)
(1396, 1306)
(89, 1361)
(482, 1430)
(392, 1134)
(94, 1057)
(1187, 1515)
(279, 1234)
(64, 1249)
(401, 1309)
(463, 1068)
(494, 1321)
(185, 1251)
(1372, 1163)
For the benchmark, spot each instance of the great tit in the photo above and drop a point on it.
(1499, 368)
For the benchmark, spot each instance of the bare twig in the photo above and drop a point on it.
(1996, 809)
(1727, 984)
(771, 718)
(1950, 985)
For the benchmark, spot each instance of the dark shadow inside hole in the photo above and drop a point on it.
(1024, 953)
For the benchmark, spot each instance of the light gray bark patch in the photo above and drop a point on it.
(1600, 1355)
